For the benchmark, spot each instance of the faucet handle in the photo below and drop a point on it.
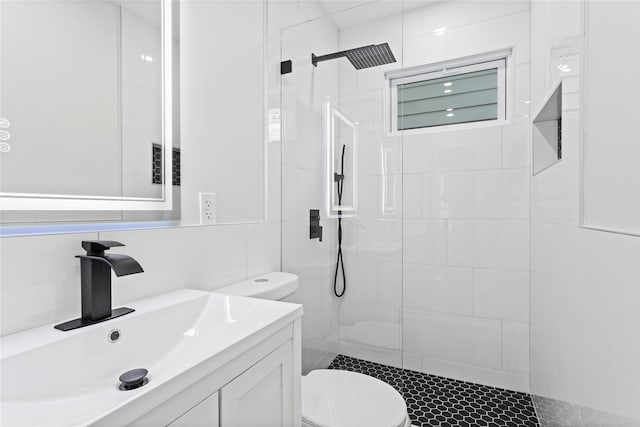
(97, 247)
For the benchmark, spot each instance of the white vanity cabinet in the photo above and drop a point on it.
(262, 395)
(261, 387)
(212, 360)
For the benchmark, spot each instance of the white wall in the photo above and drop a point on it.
(585, 321)
(452, 266)
(223, 84)
(611, 148)
(40, 278)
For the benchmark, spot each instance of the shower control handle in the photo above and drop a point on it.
(315, 229)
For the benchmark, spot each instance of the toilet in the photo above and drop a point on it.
(331, 397)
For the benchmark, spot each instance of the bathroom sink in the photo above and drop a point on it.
(71, 378)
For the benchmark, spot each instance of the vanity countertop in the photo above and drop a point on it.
(49, 377)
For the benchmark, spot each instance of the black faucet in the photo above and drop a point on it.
(95, 274)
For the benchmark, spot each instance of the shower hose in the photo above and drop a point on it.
(339, 179)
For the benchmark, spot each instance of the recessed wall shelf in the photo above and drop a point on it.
(547, 131)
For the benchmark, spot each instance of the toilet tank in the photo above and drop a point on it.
(272, 286)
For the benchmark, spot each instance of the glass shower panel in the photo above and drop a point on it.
(366, 322)
(304, 94)
(370, 313)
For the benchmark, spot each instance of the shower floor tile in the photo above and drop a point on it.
(438, 401)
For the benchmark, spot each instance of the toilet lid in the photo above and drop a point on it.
(346, 399)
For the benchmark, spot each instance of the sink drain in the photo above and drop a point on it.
(133, 379)
(114, 335)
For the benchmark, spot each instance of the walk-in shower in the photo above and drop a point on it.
(459, 262)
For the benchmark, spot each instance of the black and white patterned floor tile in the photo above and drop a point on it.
(438, 401)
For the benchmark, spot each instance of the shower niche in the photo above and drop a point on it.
(341, 136)
(547, 131)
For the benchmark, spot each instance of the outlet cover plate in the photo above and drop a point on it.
(208, 208)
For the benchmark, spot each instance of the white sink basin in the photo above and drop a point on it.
(49, 377)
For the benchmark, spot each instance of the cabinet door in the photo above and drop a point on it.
(263, 395)
(204, 414)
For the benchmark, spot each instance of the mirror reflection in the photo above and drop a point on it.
(82, 88)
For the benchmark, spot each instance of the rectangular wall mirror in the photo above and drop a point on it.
(86, 100)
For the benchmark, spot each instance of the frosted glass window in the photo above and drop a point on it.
(448, 95)
(464, 98)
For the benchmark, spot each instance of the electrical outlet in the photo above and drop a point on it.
(207, 208)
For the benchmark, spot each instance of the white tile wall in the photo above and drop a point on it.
(452, 151)
(477, 374)
(465, 339)
(424, 241)
(412, 206)
(436, 288)
(424, 49)
(458, 14)
(390, 283)
(515, 347)
(230, 139)
(515, 144)
(492, 34)
(39, 280)
(202, 257)
(263, 252)
(378, 239)
(495, 194)
(501, 294)
(362, 277)
(585, 323)
(501, 244)
(199, 263)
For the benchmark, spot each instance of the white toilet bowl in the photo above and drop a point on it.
(330, 397)
(334, 398)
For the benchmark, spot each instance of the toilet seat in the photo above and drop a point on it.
(335, 398)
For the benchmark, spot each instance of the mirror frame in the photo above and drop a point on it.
(56, 202)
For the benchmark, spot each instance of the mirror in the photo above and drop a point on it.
(86, 106)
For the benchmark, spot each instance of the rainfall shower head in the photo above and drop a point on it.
(361, 57)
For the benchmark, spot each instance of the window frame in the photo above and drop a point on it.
(499, 59)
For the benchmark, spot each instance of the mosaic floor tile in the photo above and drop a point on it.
(438, 401)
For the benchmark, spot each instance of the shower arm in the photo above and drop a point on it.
(315, 59)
